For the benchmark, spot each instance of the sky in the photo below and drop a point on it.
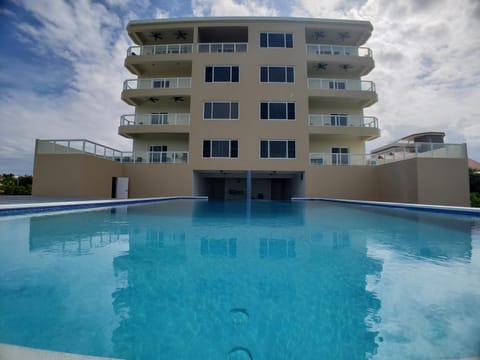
(61, 65)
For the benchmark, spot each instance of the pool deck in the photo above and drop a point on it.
(12, 205)
(13, 352)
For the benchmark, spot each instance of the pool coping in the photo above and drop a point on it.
(11, 352)
(459, 210)
(32, 208)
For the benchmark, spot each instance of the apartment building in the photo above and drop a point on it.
(240, 107)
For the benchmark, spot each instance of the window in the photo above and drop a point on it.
(340, 156)
(220, 110)
(221, 74)
(277, 111)
(337, 84)
(277, 149)
(281, 74)
(158, 153)
(159, 118)
(220, 148)
(338, 119)
(163, 84)
(272, 39)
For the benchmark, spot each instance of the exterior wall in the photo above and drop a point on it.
(151, 180)
(425, 181)
(174, 142)
(342, 182)
(74, 175)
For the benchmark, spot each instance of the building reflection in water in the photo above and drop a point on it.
(301, 289)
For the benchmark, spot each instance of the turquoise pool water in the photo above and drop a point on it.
(269, 280)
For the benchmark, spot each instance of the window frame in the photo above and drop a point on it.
(231, 149)
(288, 111)
(212, 118)
(341, 156)
(286, 68)
(286, 42)
(289, 151)
(212, 73)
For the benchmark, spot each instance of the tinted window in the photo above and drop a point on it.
(276, 40)
(234, 148)
(221, 110)
(206, 148)
(278, 111)
(221, 73)
(278, 149)
(220, 148)
(277, 74)
(264, 149)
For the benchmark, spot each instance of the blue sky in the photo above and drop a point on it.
(62, 67)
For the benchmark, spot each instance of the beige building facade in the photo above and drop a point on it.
(262, 108)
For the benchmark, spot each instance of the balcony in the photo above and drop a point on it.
(343, 91)
(343, 124)
(222, 47)
(164, 49)
(334, 60)
(158, 157)
(400, 153)
(132, 124)
(138, 91)
(341, 50)
(86, 147)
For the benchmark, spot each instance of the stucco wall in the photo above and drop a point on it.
(74, 175)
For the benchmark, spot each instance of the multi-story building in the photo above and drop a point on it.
(267, 108)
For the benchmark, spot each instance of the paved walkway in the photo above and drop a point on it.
(29, 199)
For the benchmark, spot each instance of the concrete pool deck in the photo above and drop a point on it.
(13, 352)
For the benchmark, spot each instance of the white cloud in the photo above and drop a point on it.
(232, 8)
(161, 14)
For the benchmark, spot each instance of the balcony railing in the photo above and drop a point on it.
(326, 49)
(158, 157)
(342, 120)
(156, 119)
(158, 83)
(160, 49)
(86, 147)
(222, 47)
(417, 150)
(341, 84)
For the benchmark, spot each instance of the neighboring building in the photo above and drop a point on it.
(225, 107)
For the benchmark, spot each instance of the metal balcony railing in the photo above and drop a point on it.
(341, 84)
(342, 120)
(222, 47)
(160, 49)
(158, 83)
(155, 119)
(327, 49)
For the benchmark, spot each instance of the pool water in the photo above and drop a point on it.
(237, 280)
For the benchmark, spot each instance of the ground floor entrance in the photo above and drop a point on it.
(240, 185)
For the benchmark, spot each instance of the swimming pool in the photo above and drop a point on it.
(263, 280)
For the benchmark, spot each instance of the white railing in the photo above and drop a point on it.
(155, 119)
(158, 83)
(405, 151)
(327, 49)
(78, 146)
(160, 49)
(86, 147)
(222, 47)
(417, 150)
(342, 120)
(160, 157)
(341, 84)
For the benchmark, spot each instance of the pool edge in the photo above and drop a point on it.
(460, 210)
(14, 352)
(31, 208)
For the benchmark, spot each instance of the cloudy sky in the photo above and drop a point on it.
(62, 71)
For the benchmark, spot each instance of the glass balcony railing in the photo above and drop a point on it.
(155, 119)
(410, 151)
(160, 157)
(222, 47)
(341, 84)
(160, 49)
(326, 49)
(86, 147)
(342, 120)
(158, 83)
